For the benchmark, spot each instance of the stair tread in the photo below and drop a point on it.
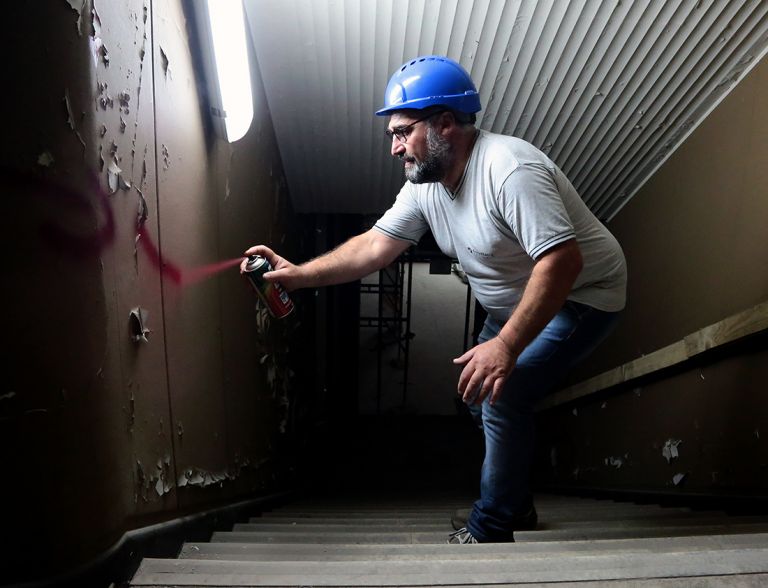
(383, 525)
(344, 552)
(325, 509)
(603, 511)
(543, 516)
(443, 571)
(420, 527)
(386, 501)
(583, 533)
(580, 542)
(391, 510)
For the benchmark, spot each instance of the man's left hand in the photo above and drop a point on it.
(486, 367)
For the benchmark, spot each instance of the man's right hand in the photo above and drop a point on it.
(352, 260)
(289, 275)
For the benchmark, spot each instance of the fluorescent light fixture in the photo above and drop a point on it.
(231, 67)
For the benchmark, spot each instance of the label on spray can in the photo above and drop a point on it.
(272, 294)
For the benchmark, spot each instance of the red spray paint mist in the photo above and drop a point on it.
(178, 275)
(203, 272)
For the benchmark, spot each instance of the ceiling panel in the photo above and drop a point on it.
(607, 88)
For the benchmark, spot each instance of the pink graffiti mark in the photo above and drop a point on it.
(166, 268)
(68, 200)
(64, 200)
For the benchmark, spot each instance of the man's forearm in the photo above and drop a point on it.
(356, 258)
(544, 295)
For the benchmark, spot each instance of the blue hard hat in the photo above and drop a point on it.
(430, 81)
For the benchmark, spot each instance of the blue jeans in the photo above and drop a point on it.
(508, 425)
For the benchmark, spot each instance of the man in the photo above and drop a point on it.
(549, 274)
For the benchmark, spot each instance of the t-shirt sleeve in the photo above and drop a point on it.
(404, 219)
(531, 204)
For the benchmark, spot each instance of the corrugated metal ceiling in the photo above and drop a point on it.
(607, 88)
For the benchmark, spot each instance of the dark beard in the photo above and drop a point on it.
(433, 167)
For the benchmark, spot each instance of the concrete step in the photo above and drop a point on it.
(445, 572)
(580, 542)
(587, 511)
(544, 516)
(363, 527)
(732, 581)
(390, 509)
(649, 530)
(583, 533)
(404, 537)
(426, 503)
(346, 552)
(358, 514)
(266, 526)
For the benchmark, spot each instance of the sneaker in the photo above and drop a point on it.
(460, 518)
(526, 522)
(462, 536)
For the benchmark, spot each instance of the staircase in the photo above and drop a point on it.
(580, 541)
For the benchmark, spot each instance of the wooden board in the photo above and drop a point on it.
(733, 328)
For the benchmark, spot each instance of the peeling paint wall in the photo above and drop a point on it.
(696, 243)
(135, 389)
(699, 431)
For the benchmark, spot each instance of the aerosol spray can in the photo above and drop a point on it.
(272, 294)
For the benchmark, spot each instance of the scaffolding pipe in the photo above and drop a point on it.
(407, 327)
(379, 344)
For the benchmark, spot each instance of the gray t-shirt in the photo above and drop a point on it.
(512, 204)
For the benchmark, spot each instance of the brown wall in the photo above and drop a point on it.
(696, 241)
(98, 430)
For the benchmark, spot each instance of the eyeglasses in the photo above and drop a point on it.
(401, 133)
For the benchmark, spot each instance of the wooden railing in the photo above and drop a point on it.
(728, 330)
